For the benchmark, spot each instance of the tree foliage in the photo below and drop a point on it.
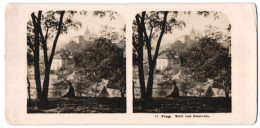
(109, 32)
(207, 58)
(103, 60)
(210, 60)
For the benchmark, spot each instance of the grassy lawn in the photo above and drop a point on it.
(81, 105)
(186, 105)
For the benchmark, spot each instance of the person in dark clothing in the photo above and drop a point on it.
(175, 92)
(70, 93)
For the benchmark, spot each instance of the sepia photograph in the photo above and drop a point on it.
(181, 62)
(76, 62)
(130, 64)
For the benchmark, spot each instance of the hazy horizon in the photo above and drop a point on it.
(198, 23)
(93, 23)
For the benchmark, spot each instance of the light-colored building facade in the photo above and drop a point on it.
(163, 62)
(56, 63)
(60, 61)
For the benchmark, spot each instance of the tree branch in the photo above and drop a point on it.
(34, 18)
(148, 44)
(140, 55)
(160, 38)
(47, 31)
(44, 44)
(36, 53)
(148, 40)
(56, 38)
(151, 32)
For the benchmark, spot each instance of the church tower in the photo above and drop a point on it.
(192, 33)
(87, 34)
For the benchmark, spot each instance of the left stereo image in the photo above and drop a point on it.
(76, 62)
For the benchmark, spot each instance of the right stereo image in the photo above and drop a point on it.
(181, 62)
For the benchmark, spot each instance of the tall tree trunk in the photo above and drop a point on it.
(153, 63)
(44, 98)
(150, 85)
(29, 87)
(146, 94)
(140, 57)
(141, 78)
(37, 74)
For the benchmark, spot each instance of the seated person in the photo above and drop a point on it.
(70, 93)
(175, 92)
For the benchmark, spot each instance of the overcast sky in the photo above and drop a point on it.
(198, 22)
(93, 23)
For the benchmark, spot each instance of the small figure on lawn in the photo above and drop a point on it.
(175, 92)
(70, 93)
